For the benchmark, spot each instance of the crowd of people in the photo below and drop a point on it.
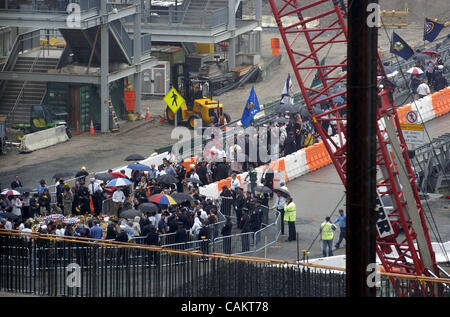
(432, 79)
(82, 203)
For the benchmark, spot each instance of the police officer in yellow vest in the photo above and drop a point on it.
(290, 214)
(327, 229)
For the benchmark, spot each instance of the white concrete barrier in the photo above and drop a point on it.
(425, 108)
(42, 139)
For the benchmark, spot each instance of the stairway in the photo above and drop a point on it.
(33, 91)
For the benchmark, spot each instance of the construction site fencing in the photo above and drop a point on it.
(49, 265)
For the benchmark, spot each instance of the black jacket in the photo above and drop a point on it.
(290, 146)
(222, 170)
(203, 232)
(16, 184)
(122, 237)
(245, 223)
(268, 178)
(202, 172)
(226, 230)
(111, 232)
(181, 235)
(152, 238)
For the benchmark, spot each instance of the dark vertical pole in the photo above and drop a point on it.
(361, 147)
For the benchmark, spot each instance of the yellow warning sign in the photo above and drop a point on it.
(412, 127)
(174, 100)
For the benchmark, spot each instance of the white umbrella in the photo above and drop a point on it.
(393, 74)
(119, 182)
(10, 192)
(415, 70)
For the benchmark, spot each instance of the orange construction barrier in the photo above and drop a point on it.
(313, 156)
(91, 129)
(441, 102)
(401, 112)
(187, 162)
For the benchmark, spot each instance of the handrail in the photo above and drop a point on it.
(20, 96)
(241, 258)
(184, 8)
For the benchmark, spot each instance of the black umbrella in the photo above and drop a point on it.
(281, 120)
(263, 189)
(287, 108)
(181, 197)
(131, 213)
(134, 157)
(193, 180)
(283, 192)
(9, 215)
(148, 207)
(23, 190)
(104, 177)
(304, 112)
(167, 179)
(63, 174)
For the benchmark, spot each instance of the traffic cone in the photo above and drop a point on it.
(78, 128)
(91, 129)
(147, 115)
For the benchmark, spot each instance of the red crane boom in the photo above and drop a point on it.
(403, 242)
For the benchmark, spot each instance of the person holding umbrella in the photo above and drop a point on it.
(118, 200)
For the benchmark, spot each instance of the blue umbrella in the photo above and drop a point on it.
(139, 167)
(339, 100)
(116, 182)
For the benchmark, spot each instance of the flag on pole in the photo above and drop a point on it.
(316, 80)
(251, 108)
(287, 95)
(431, 30)
(400, 47)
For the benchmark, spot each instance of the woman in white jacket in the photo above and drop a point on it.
(196, 227)
(16, 204)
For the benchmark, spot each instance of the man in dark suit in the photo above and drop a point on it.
(226, 231)
(16, 183)
(202, 172)
(238, 205)
(267, 179)
(245, 221)
(181, 236)
(227, 199)
(222, 169)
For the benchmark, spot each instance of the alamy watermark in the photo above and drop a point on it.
(73, 278)
(73, 20)
(374, 18)
(249, 144)
(373, 278)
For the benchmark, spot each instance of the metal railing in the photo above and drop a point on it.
(21, 96)
(41, 264)
(23, 43)
(195, 18)
(123, 37)
(55, 6)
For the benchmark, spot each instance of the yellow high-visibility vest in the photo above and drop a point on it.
(327, 231)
